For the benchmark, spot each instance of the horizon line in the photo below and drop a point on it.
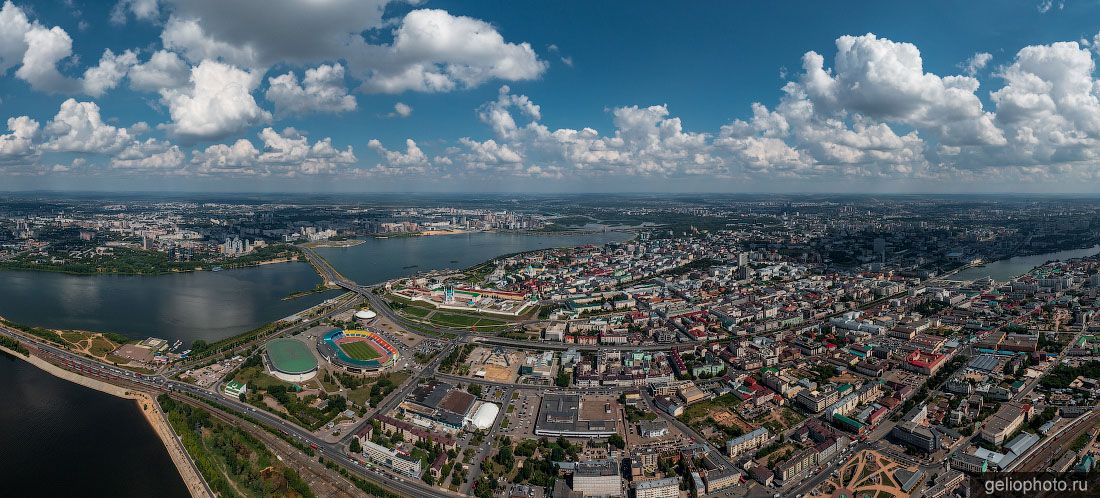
(618, 193)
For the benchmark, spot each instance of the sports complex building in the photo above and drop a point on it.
(443, 406)
(357, 351)
(290, 360)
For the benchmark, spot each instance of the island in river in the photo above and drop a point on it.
(116, 448)
(131, 261)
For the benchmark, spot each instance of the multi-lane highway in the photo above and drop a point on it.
(160, 384)
(342, 303)
(335, 452)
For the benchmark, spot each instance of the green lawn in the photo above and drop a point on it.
(421, 304)
(456, 320)
(416, 311)
(101, 347)
(359, 395)
(359, 350)
(255, 377)
(362, 394)
(330, 387)
(703, 408)
(452, 319)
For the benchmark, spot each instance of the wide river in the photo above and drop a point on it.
(61, 439)
(1007, 269)
(378, 260)
(186, 306)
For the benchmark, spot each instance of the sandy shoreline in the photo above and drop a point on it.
(430, 233)
(335, 243)
(270, 262)
(149, 408)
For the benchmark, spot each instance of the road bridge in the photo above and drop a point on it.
(158, 384)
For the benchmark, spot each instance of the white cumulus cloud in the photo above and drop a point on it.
(78, 127)
(322, 90)
(434, 51)
(885, 80)
(163, 70)
(144, 10)
(45, 48)
(38, 50)
(286, 153)
(20, 143)
(976, 63)
(14, 26)
(402, 110)
(110, 71)
(412, 161)
(152, 154)
(218, 102)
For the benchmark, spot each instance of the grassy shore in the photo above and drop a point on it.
(136, 262)
(233, 462)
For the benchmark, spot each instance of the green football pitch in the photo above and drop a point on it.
(359, 350)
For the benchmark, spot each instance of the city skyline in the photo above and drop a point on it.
(146, 95)
(740, 346)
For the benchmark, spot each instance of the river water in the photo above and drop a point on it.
(378, 260)
(62, 439)
(186, 306)
(1007, 269)
(215, 305)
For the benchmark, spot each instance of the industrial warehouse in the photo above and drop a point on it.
(573, 415)
(438, 404)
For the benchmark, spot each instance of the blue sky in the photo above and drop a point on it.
(550, 96)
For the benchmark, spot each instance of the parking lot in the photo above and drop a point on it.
(521, 422)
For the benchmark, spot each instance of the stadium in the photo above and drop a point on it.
(357, 351)
(290, 360)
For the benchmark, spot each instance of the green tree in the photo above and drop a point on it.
(505, 457)
(562, 379)
(484, 488)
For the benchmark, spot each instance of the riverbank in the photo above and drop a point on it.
(334, 243)
(188, 306)
(379, 260)
(140, 262)
(155, 273)
(436, 233)
(316, 290)
(1006, 269)
(430, 233)
(149, 409)
(493, 261)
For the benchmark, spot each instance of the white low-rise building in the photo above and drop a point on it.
(391, 458)
(484, 416)
(658, 488)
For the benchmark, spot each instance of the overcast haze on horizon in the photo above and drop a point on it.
(498, 96)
